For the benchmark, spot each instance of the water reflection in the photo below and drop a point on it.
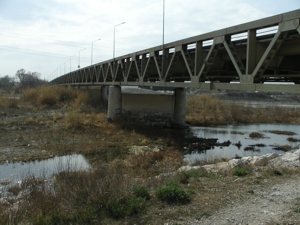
(75, 162)
(241, 144)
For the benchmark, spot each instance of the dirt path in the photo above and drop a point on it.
(271, 204)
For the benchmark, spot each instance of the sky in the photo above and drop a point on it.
(53, 37)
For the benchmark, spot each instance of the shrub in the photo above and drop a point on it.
(30, 95)
(48, 98)
(65, 94)
(82, 99)
(172, 193)
(240, 172)
(127, 206)
(73, 120)
(141, 191)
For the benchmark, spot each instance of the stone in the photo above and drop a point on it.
(263, 160)
(287, 160)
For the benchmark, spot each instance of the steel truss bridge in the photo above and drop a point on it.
(262, 55)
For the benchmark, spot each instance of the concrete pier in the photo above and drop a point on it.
(104, 96)
(114, 102)
(179, 106)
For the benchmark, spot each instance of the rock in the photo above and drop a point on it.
(187, 168)
(212, 168)
(223, 167)
(297, 152)
(233, 163)
(263, 160)
(184, 168)
(287, 160)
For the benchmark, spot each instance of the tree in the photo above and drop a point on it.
(6, 82)
(29, 79)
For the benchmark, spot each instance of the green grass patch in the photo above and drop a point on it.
(184, 176)
(240, 172)
(173, 193)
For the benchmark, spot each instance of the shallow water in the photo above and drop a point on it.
(240, 134)
(43, 168)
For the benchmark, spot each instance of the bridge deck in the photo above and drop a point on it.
(262, 55)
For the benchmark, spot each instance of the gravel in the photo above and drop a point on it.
(268, 205)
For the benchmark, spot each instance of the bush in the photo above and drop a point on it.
(125, 207)
(30, 95)
(73, 120)
(141, 191)
(48, 98)
(172, 193)
(82, 99)
(240, 172)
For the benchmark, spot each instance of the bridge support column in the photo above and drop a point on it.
(104, 96)
(114, 102)
(179, 107)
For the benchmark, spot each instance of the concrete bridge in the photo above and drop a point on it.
(263, 55)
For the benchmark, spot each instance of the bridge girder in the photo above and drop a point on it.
(240, 57)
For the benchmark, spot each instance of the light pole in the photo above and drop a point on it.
(70, 61)
(115, 39)
(163, 42)
(60, 68)
(92, 50)
(79, 57)
(65, 67)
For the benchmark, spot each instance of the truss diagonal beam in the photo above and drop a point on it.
(235, 59)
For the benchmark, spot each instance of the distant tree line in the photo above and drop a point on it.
(6, 82)
(23, 78)
(29, 79)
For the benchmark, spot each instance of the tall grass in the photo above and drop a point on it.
(52, 96)
(207, 110)
(6, 102)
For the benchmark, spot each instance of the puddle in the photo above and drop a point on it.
(240, 143)
(13, 171)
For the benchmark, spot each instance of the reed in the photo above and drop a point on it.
(207, 110)
(53, 96)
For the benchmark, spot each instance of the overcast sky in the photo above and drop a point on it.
(42, 35)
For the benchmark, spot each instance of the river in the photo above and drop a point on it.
(240, 142)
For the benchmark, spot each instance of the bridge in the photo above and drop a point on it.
(262, 55)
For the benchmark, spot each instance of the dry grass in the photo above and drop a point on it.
(88, 197)
(206, 110)
(256, 135)
(280, 132)
(53, 96)
(203, 109)
(154, 163)
(8, 102)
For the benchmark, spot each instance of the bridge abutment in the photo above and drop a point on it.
(179, 106)
(114, 102)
